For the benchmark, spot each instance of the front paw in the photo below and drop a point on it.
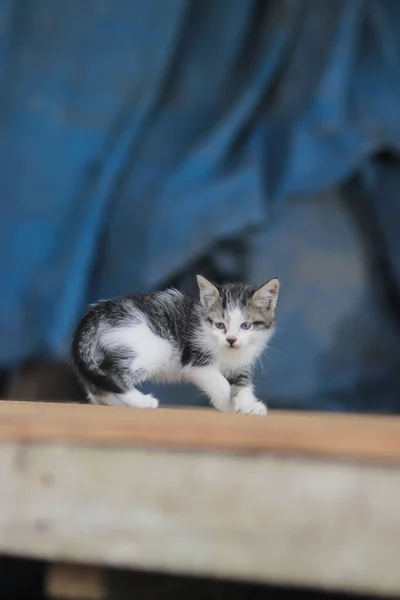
(251, 407)
(223, 405)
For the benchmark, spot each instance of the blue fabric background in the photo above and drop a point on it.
(250, 138)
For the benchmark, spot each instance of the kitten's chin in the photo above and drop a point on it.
(230, 349)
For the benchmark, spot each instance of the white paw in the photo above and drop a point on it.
(226, 406)
(138, 400)
(149, 401)
(251, 407)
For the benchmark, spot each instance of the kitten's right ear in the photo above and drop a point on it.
(267, 295)
(208, 291)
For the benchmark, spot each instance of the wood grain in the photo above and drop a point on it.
(270, 519)
(353, 437)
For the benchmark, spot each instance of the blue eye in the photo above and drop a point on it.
(219, 325)
(245, 325)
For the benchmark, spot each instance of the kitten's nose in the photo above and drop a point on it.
(231, 340)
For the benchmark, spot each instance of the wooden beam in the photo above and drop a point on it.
(353, 437)
(292, 498)
(264, 518)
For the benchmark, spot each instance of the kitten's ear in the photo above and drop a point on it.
(208, 291)
(267, 295)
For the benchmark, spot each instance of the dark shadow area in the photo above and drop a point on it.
(24, 579)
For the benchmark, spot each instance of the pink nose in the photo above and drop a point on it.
(231, 340)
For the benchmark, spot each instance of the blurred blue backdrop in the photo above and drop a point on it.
(141, 142)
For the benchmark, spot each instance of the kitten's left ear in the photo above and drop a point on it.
(267, 295)
(208, 291)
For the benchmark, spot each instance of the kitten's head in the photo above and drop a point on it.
(237, 315)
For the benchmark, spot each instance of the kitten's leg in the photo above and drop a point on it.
(126, 374)
(214, 384)
(136, 399)
(102, 399)
(130, 355)
(243, 397)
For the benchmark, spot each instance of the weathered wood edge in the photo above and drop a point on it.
(366, 438)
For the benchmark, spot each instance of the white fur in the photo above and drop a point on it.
(246, 403)
(133, 398)
(138, 400)
(213, 383)
(155, 355)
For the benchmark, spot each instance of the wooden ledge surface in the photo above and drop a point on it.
(228, 496)
(346, 436)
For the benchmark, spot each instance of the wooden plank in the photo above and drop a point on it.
(324, 524)
(353, 437)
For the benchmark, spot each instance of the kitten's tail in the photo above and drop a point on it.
(88, 359)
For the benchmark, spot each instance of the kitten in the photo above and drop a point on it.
(167, 336)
